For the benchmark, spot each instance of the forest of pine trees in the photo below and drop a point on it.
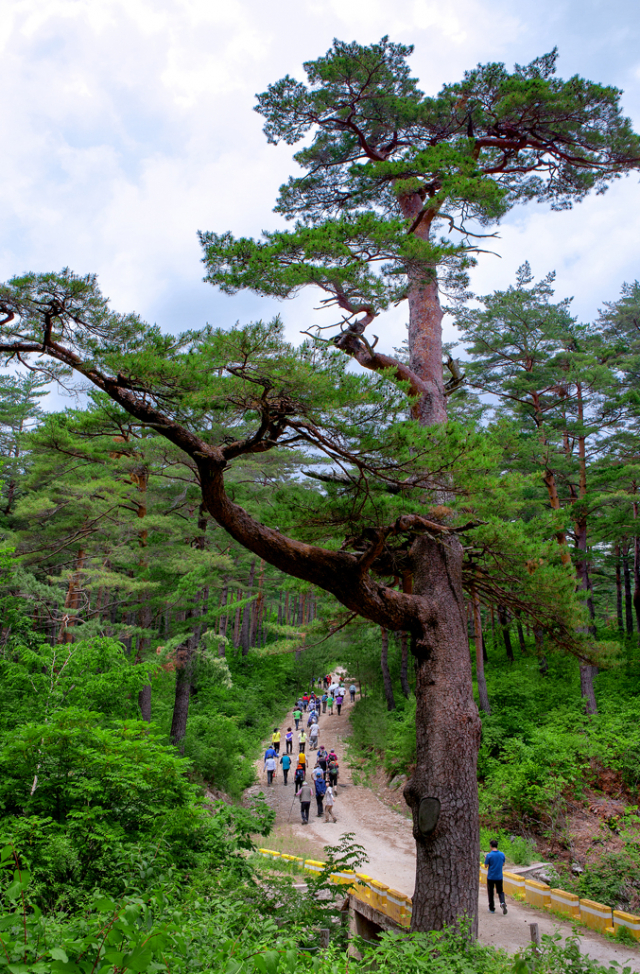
(217, 517)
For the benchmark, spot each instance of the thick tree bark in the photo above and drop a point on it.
(386, 675)
(404, 665)
(448, 737)
(483, 695)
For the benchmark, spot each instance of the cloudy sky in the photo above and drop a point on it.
(128, 126)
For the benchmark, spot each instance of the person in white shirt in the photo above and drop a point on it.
(329, 799)
(313, 736)
(270, 766)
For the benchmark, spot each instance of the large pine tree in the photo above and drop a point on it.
(387, 169)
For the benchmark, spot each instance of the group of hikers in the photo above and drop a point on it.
(323, 784)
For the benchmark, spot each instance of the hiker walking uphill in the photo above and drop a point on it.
(275, 740)
(304, 797)
(329, 799)
(320, 790)
(270, 766)
(285, 761)
(495, 861)
(334, 769)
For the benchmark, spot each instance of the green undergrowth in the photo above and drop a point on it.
(540, 758)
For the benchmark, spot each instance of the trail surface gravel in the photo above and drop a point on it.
(387, 837)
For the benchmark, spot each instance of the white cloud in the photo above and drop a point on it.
(129, 126)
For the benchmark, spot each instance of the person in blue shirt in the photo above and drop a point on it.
(285, 761)
(494, 860)
(270, 752)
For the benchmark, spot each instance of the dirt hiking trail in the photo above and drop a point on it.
(387, 837)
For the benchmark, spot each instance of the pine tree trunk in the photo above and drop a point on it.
(523, 645)
(386, 675)
(506, 634)
(72, 600)
(236, 625)
(144, 703)
(184, 667)
(619, 615)
(224, 619)
(636, 569)
(543, 666)
(587, 671)
(404, 665)
(245, 634)
(483, 695)
(447, 722)
(628, 603)
(448, 737)
(144, 695)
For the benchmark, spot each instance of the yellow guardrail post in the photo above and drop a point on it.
(628, 920)
(567, 904)
(513, 885)
(538, 894)
(596, 915)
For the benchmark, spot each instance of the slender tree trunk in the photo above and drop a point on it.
(478, 640)
(184, 672)
(386, 675)
(224, 619)
(506, 634)
(448, 736)
(636, 565)
(543, 665)
(404, 665)
(619, 615)
(186, 654)
(236, 625)
(249, 609)
(144, 703)
(72, 600)
(626, 574)
(587, 673)
(144, 695)
(523, 645)
(257, 616)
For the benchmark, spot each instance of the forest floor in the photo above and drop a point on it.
(383, 828)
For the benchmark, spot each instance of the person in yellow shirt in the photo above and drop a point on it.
(302, 760)
(275, 740)
(302, 740)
